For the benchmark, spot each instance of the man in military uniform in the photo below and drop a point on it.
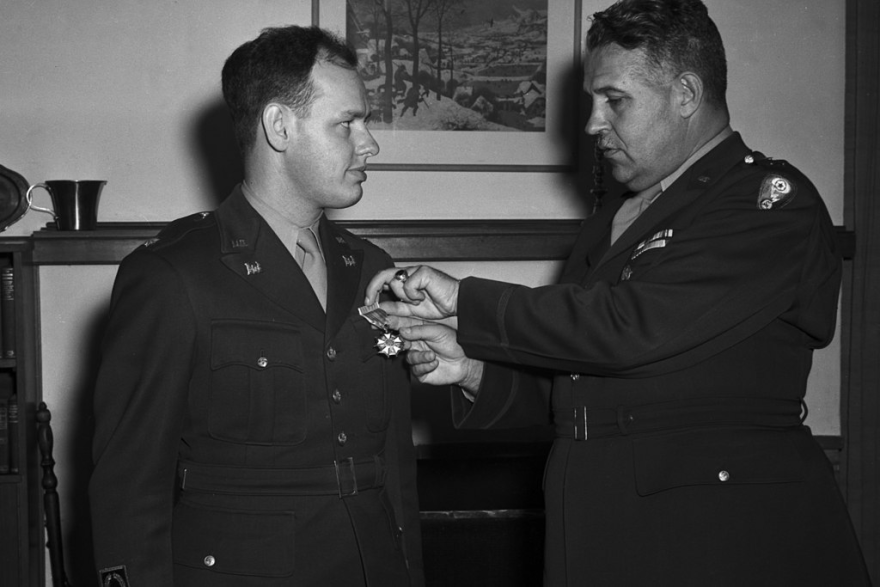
(249, 432)
(673, 355)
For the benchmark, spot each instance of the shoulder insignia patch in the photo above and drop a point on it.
(114, 577)
(776, 192)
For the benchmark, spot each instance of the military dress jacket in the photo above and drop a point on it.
(673, 364)
(243, 435)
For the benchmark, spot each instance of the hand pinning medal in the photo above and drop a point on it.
(389, 344)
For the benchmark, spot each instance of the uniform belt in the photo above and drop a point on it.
(582, 422)
(342, 478)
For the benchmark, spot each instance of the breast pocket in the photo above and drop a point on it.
(257, 394)
(372, 379)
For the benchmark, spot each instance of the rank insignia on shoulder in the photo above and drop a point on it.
(776, 192)
(114, 577)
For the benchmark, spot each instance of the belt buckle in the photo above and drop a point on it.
(580, 423)
(350, 462)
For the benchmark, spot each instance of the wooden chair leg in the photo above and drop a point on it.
(51, 504)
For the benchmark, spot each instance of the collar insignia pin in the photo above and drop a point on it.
(252, 268)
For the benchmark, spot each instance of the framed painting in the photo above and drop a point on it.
(467, 85)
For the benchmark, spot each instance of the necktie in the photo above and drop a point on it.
(631, 209)
(313, 264)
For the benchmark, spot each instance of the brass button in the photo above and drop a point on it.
(749, 159)
(209, 561)
(337, 396)
(575, 376)
(342, 439)
(723, 476)
(331, 353)
(262, 362)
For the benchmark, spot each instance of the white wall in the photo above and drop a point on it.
(128, 91)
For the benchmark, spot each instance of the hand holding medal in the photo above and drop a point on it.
(424, 292)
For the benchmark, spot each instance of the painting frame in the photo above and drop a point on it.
(554, 150)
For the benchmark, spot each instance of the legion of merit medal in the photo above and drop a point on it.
(389, 344)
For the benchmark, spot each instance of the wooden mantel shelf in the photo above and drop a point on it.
(404, 240)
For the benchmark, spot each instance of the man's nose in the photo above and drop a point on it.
(369, 146)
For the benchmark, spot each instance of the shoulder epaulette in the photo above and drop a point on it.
(779, 185)
(177, 229)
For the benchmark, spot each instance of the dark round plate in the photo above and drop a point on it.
(13, 204)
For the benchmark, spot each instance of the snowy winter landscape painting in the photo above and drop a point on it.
(499, 69)
(453, 64)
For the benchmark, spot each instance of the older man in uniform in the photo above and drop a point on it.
(675, 350)
(249, 432)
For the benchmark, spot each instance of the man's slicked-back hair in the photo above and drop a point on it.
(675, 36)
(277, 67)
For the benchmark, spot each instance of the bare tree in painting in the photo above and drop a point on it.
(441, 11)
(415, 12)
(383, 9)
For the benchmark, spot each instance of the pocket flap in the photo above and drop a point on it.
(234, 542)
(715, 457)
(257, 345)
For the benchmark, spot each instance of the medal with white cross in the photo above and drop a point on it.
(389, 343)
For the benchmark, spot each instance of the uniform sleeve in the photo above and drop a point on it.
(729, 272)
(139, 405)
(507, 398)
(401, 482)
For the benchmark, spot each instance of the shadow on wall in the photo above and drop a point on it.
(216, 150)
(75, 512)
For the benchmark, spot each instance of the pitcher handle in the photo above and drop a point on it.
(30, 200)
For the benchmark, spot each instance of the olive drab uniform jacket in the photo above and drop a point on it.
(243, 435)
(674, 364)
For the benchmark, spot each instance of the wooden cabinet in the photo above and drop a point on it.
(21, 529)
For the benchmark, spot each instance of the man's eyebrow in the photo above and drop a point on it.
(607, 88)
(354, 113)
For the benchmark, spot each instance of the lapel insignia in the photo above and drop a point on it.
(776, 192)
(657, 241)
(239, 243)
(151, 242)
(204, 215)
(349, 260)
(626, 273)
(252, 268)
(340, 240)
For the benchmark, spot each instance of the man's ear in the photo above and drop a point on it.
(277, 120)
(690, 90)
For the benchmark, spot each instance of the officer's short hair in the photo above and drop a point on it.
(675, 35)
(276, 67)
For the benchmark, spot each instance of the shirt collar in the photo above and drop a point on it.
(286, 230)
(697, 155)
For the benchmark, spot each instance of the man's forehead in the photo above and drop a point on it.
(339, 87)
(612, 65)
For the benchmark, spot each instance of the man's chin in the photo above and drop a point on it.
(348, 200)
